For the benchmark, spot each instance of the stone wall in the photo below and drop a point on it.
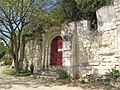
(108, 51)
(97, 50)
(33, 55)
(87, 46)
(107, 55)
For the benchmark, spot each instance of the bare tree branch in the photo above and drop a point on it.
(2, 32)
(2, 22)
(10, 23)
(4, 42)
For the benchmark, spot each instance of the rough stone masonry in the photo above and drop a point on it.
(97, 50)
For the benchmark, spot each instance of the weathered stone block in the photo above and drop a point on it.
(118, 79)
(94, 63)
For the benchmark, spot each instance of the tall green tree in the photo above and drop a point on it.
(15, 16)
(18, 17)
(13, 19)
(88, 9)
(75, 10)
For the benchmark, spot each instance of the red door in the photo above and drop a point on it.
(56, 51)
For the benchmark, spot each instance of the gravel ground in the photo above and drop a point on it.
(28, 83)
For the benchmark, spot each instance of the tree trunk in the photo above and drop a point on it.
(16, 55)
(14, 51)
(16, 63)
(22, 52)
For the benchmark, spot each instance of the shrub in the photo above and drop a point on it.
(68, 79)
(62, 74)
(24, 73)
(9, 72)
(113, 74)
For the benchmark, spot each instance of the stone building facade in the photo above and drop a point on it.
(91, 51)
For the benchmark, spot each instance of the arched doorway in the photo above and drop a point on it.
(56, 51)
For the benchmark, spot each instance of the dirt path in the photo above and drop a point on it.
(27, 83)
(1, 70)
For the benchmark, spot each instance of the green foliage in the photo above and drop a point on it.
(2, 47)
(4, 54)
(24, 73)
(74, 10)
(113, 74)
(15, 15)
(11, 72)
(69, 10)
(43, 20)
(105, 81)
(4, 50)
(68, 79)
(62, 74)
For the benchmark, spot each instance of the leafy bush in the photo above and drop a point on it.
(113, 74)
(68, 79)
(105, 81)
(62, 74)
(24, 73)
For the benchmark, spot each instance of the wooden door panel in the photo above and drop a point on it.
(56, 55)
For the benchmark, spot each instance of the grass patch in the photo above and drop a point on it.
(11, 72)
(24, 73)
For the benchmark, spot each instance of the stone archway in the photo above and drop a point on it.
(56, 51)
(47, 47)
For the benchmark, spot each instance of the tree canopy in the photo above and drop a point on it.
(17, 17)
(75, 10)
